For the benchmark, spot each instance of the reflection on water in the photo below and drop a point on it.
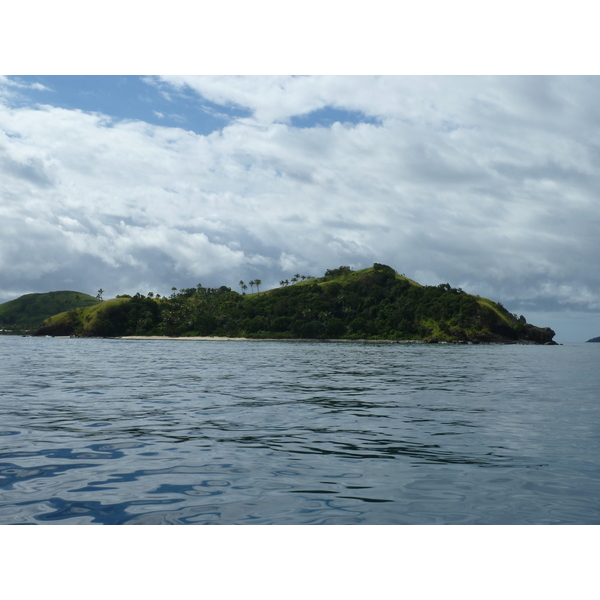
(146, 432)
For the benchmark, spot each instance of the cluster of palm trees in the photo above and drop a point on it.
(297, 277)
(257, 282)
(254, 282)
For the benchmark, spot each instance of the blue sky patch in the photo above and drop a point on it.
(128, 98)
(147, 99)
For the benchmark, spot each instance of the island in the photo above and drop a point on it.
(596, 339)
(376, 303)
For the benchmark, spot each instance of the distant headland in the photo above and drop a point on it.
(376, 303)
(25, 314)
(596, 339)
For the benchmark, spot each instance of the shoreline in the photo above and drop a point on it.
(245, 339)
(305, 340)
(322, 341)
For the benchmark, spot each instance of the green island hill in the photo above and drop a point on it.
(375, 303)
(27, 312)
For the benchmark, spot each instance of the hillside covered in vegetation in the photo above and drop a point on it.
(27, 312)
(373, 303)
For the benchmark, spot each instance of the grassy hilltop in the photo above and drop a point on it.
(28, 312)
(373, 303)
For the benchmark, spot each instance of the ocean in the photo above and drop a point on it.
(109, 431)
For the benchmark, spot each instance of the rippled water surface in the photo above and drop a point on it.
(217, 432)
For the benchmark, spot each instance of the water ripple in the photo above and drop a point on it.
(117, 432)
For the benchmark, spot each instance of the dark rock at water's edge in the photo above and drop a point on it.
(540, 335)
(597, 339)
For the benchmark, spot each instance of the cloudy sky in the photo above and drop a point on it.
(490, 183)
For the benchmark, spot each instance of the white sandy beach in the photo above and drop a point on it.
(166, 337)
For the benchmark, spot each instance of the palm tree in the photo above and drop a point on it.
(243, 286)
(257, 283)
(282, 283)
(294, 279)
(100, 292)
(297, 276)
(252, 285)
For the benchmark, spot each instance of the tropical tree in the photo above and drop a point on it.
(243, 286)
(99, 295)
(257, 283)
(252, 285)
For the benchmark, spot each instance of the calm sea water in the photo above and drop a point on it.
(217, 432)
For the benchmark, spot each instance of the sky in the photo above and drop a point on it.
(144, 183)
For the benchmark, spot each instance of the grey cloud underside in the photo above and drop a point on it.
(489, 184)
(32, 171)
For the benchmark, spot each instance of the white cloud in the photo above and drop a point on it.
(7, 82)
(488, 183)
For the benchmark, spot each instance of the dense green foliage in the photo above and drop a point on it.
(27, 312)
(374, 303)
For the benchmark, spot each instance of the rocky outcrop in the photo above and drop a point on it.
(539, 335)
